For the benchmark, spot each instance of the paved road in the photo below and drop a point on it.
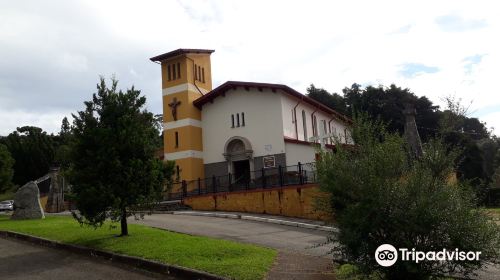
(21, 260)
(270, 235)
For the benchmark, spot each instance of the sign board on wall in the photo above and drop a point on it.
(269, 161)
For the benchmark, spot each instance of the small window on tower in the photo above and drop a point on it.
(168, 73)
(173, 72)
(195, 72)
(232, 120)
(178, 70)
(177, 139)
(203, 74)
(242, 119)
(199, 73)
(238, 120)
(177, 173)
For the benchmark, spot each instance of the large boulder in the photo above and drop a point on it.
(27, 203)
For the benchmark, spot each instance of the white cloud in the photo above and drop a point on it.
(60, 47)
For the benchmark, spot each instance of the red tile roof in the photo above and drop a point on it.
(179, 52)
(222, 89)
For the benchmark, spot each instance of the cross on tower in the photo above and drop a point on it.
(173, 105)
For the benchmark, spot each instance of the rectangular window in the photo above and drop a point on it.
(178, 70)
(177, 139)
(173, 72)
(203, 74)
(242, 119)
(168, 73)
(232, 120)
(177, 173)
(199, 73)
(238, 120)
(195, 72)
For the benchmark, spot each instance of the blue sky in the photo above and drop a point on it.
(52, 52)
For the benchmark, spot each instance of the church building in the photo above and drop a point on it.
(238, 127)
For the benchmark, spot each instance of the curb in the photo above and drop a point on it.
(256, 219)
(151, 266)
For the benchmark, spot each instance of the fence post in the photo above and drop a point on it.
(280, 170)
(184, 188)
(301, 179)
(214, 184)
(230, 186)
(263, 178)
(199, 186)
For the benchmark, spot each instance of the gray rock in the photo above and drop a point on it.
(27, 203)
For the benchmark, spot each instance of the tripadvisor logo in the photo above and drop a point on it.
(387, 255)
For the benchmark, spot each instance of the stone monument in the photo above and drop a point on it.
(55, 200)
(27, 203)
(411, 133)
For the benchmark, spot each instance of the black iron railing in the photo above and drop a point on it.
(263, 178)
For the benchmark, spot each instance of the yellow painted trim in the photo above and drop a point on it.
(190, 138)
(191, 169)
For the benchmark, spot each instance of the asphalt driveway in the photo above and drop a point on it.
(21, 260)
(292, 239)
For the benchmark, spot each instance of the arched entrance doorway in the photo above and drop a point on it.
(239, 156)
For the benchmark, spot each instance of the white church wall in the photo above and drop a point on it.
(296, 153)
(288, 103)
(263, 123)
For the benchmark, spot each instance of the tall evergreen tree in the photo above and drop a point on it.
(6, 170)
(113, 168)
(33, 151)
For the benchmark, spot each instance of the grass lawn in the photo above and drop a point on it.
(221, 257)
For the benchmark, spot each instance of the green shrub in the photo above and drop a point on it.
(382, 195)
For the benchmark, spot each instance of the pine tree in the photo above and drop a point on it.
(113, 170)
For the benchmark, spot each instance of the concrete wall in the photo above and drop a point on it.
(263, 125)
(299, 152)
(296, 201)
(221, 169)
(288, 103)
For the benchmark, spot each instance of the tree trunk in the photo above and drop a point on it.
(123, 223)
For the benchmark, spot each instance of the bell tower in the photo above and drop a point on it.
(186, 76)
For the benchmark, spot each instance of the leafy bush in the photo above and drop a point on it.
(380, 194)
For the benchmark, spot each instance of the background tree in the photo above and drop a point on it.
(332, 100)
(63, 140)
(381, 195)
(6, 170)
(452, 124)
(113, 168)
(33, 151)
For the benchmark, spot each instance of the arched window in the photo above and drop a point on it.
(304, 124)
(315, 126)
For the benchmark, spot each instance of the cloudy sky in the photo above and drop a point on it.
(52, 52)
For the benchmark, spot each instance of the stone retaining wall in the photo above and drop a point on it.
(293, 201)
